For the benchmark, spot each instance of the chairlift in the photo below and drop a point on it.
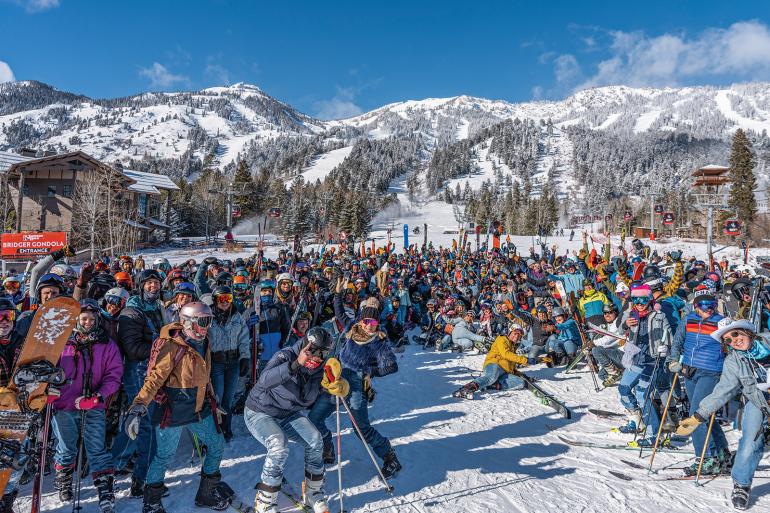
(274, 212)
(732, 227)
(236, 211)
(668, 218)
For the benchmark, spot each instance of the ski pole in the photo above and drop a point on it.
(648, 400)
(705, 446)
(663, 419)
(339, 454)
(37, 487)
(76, 503)
(389, 488)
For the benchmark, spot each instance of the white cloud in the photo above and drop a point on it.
(341, 106)
(739, 52)
(218, 73)
(38, 5)
(6, 74)
(566, 68)
(160, 77)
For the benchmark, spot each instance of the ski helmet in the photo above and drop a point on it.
(65, 271)
(651, 272)
(195, 317)
(49, 280)
(609, 308)
(89, 305)
(558, 311)
(118, 293)
(284, 277)
(224, 278)
(161, 264)
(319, 341)
(185, 288)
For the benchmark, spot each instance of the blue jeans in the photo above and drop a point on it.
(700, 385)
(606, 356)
(144, 445)
(66, 427)
(168, 440)
(275, 434)
(633, 391)
(563, 346)
(493, 373)
(224, 379)
(751, 446)
(358, 404)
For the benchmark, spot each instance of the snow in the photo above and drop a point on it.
(610, 120)
(723, 102)
(323, 165)
(645, 121)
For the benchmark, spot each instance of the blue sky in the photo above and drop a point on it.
(338, 58)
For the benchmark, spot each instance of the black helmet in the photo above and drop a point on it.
(739, 287)
(49, 280)
(89, 305)
(224, 278)
(609, 307)
(6, 304)
(651, 272)
(99, 285)
(319, 340)
(148, 274)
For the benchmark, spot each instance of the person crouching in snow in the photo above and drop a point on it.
(499, 365)
(94, 366)
(180, 371)
(291, 382)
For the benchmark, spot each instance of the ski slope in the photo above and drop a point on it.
(323, 165)
(497, 453)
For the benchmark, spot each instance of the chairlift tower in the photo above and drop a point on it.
(710, 193)
(230, 192)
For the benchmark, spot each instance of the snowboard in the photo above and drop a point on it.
(51, 327)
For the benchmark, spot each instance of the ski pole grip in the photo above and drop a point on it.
(329, 374)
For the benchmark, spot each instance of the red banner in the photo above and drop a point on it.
(31, 244)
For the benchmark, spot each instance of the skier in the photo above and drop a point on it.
(608, 349)
(745, 370)
(93, 366)
(564, 346)
(290, 383)
(181, 369)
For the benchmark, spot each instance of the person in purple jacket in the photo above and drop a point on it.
(92, 361)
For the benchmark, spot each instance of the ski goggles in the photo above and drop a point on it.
(318, 352)
(224, 298)
(706, 305)
(12, 285)
(643, 300)
(114, 300)
(241, 287)
(371, 323)
(203, 321)
(7, 315)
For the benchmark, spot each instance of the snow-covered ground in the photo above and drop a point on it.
(497, 453)
(323, 165)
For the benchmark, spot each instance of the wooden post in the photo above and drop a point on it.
(168, 215)
(20, 200)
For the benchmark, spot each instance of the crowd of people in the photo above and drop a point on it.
(158, 349)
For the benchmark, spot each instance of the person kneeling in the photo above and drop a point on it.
(499, 365)
(291, 382)
(179, 368)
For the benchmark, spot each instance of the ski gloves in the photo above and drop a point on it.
(674, 366)
(332, 380)
(688, 425)
(88, 403)
(253, 320)
(135, 414)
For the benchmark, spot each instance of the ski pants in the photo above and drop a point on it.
(275, 434)
(698, 386)
(465, 338)
(168, 440)
(751, 445)
(493, 373)
(358, 403)
(66, 427)
(633, 392)
(144, 445)
(563, 346)
(606, 356)
(224, 379)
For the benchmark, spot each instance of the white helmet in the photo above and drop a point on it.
(196, 318)
(118, 292)
(284, 276)
(65, 271)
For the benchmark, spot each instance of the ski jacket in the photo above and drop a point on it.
(228, 332)
(503, 353)
(568, 330)
(738, 375)
(645, 339)
(284, 387)
(573, 282)
(273, 329)
(139, 324)
(694, 344)
(367, 354)
(590, 305)
(183, 371)
(99, 360)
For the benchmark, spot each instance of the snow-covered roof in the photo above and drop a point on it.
(7, 159)
(134, 224)
(149, 183)
(157, 223)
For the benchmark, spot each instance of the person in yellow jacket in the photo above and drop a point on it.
(499, 365)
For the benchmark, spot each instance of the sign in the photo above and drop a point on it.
(627, 216)
(31, 244)
(668, 218)
(732, 227)
(659, 209)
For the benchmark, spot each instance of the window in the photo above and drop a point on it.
(51, 191)
(67, 191)
(25, 190)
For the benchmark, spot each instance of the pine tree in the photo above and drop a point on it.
(741, 197)
(243, 181)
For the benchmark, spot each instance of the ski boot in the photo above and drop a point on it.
(137, 488)
(647, 443)
(727, 458)
(712, 466)
(62, 482)
(549, 359)
(481, 346)
(152, 503)
(740, 496)
(390, 464)
(207, 496)
(267, 498)
(329, 455)
(104, 483)
(634, 424)
(559, 359)
(313, 493)
(613, 376)
(6, 503)
(466, 391)
(671, 422)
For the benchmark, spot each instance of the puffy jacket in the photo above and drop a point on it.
(568, 330)
(284, 389)
(368, 354)
(502, 354)
(737, 376)
(101, 359)
(183, 371)
(229, 332)
(573, 282)
(693, 342)
(138, 325)
(645, 339)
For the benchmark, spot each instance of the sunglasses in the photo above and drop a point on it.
(640, 300)
(113, 300)
(706, 305)
(372, 323)
(7, 316)
(731, 336)
(224, 298)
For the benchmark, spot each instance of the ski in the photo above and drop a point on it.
(605, 414)
(594, 445)
(545, 397)
(288, 491)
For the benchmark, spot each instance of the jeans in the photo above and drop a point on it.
(275, 434)
(633, 392)
(446, 341)
(563, 346)
(493, 373)
(606, 356)
(224, 379)
(700, 385)
(144, 445)
(168, 440)
(66, 427)
(465, 338)
(358, 404)
(751, 445)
